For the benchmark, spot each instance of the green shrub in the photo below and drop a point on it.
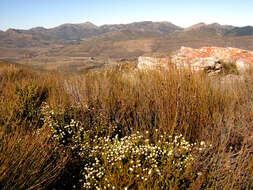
(28, 97)
(27, 100)
(229, 68)
(66, 133)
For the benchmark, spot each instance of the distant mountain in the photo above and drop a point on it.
(162, 27)
(117, 40)
(221, 30)
(71, 33)
(38, 29)
(240, 31)
(209, 29)
(136, 42)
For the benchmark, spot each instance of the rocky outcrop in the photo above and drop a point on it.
(210, 59)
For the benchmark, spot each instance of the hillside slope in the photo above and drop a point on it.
(120, 40)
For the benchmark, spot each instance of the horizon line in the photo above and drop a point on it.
(123, 23)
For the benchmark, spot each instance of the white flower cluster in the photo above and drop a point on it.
(133, 157)
(72, 134)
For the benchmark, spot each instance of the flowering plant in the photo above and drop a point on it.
(135, 161)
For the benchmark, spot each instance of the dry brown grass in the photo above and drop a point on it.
(29, 160)
(176, 102)
(172, 101)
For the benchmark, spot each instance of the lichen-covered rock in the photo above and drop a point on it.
(199, 59)
(204, 58)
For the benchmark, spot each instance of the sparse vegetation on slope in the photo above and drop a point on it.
(119, 40)
(125, 129)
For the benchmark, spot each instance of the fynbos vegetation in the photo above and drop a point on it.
(125, 129)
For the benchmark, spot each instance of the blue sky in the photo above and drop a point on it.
(25, 14)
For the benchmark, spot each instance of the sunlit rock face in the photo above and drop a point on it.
(152, 62)
(204, 57)
(201, 59)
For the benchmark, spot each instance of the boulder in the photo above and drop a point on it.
(204, 58)
(211, 57)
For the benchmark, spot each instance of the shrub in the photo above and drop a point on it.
(106, 160)
(135, 162)
(70, 135)
(229, 68)
(29, 97)
(66, 133)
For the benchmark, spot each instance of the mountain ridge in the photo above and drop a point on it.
(116, 40)
(66, 33)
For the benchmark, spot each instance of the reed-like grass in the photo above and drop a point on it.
(29, 160)
(120, 102)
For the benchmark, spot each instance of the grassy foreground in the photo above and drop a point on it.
(125, 129)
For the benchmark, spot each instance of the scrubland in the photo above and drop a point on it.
(123, 128)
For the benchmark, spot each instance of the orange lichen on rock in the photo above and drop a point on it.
(201, 58)
(207, 56)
